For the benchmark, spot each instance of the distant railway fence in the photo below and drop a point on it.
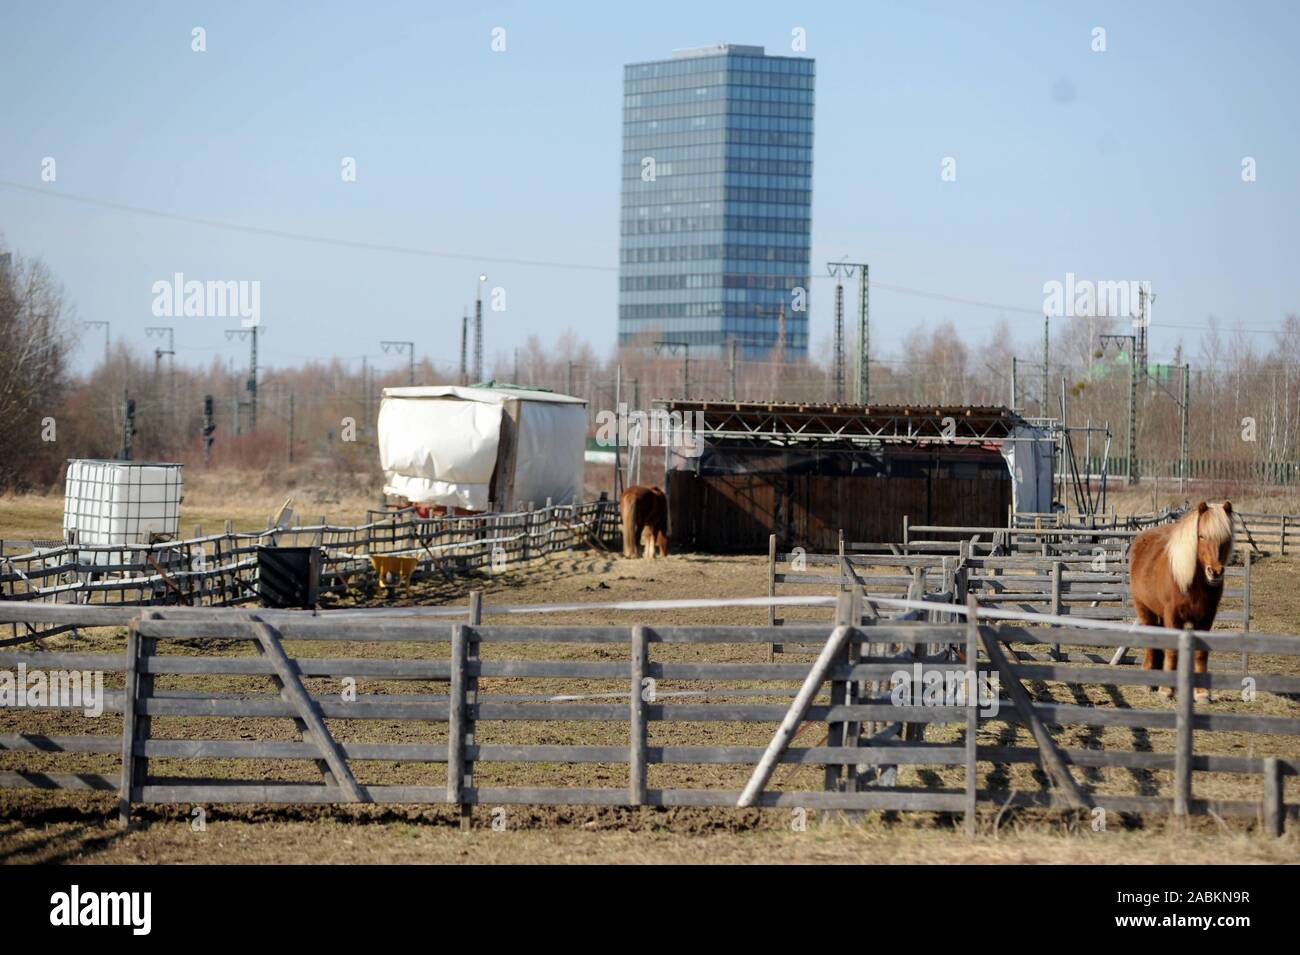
(846, 690)
(1198, 469)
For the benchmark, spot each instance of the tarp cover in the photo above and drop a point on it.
(551, 457)
(440, 445)
(1029, 456)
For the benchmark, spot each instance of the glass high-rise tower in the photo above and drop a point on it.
(717, 200)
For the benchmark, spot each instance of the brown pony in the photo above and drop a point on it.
(1176, 579)
(645, 521)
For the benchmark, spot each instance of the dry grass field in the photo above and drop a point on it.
(54, 826)
(246, 499)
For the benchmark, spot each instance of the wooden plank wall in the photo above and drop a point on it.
(737, 513)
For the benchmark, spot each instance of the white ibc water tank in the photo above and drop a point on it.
(116, 503)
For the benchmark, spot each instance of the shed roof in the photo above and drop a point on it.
(787, 422)
(493, 395)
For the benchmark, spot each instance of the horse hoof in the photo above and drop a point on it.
(1166, 691)
(1202, 695)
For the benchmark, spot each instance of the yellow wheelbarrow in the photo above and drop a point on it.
(390, 569)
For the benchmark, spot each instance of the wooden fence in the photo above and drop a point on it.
(1031, 533)
(1094, 585)
(846, 690)
(1268, 533)
(221, 569)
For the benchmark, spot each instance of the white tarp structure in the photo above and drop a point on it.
(479, 447)
(1030, 457)
(111, 503)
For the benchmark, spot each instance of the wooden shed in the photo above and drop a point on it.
(804, 472)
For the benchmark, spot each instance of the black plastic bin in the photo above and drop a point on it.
(288, 577)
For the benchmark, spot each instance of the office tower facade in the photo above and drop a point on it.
(716, 217)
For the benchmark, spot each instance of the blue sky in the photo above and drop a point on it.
(1117, 165)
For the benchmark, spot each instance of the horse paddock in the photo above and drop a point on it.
(43, 824)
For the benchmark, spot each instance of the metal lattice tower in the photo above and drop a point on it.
(478, 330)
(464, 345)
(1047, 344)
(839, 341)
(862, 360)
(399, 348)
(250, 386)
(864, 335)
(107, 330)
(1131, 341)
(672, 347)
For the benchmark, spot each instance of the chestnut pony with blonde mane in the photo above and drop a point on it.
(1176, 579)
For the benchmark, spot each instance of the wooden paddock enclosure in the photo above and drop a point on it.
(221, 569)
(1048, 534)
(1089, 585)
(457, 737)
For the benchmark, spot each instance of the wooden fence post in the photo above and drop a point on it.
(1245, 605)
(972, 709)
(1283, 535)
(456, 722)
(1274, 807)
(771, 591)
(130, 683)
(550, 527)
(471, 699)
(1183, 728)
(848, 613)
(1056, 600)
(636, 786)
(528, 531)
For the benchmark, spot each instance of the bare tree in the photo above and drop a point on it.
(34, 349)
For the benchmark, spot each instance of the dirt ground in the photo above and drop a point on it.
(37, 825)
(624, 837)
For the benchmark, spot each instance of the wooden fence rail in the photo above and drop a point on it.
(1049, 535)
(1090, 585)
(873, 653)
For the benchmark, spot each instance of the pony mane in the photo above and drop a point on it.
(1182, 549)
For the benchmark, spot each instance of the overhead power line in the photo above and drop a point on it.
(532, 263)
(302, 236)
